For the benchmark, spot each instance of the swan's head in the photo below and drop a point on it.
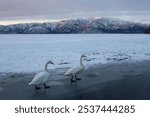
(50, 62)
(83, 56)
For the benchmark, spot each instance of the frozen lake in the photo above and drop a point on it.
(29, 53)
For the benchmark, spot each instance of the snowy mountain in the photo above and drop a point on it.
(91, 25)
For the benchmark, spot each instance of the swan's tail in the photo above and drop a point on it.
(30, 83)
(66, 74)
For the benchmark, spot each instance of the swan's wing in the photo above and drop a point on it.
(74, 70)
(40, 77)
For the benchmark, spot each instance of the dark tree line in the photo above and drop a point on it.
(147, 31)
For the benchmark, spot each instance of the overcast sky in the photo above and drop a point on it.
(28, 10)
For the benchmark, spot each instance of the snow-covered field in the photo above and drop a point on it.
(29, 53)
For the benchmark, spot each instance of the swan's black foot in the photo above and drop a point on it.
(77, 78)
(73, 81)
(37, 88)
(46, 87)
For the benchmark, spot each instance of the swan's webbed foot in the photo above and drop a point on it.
(46, 87)
(37, 88)
(77, 78)
(72, 80)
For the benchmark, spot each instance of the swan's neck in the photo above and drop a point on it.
(81, 62)
(46, 65)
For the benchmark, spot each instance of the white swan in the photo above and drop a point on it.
(75, 70)
(42, 77)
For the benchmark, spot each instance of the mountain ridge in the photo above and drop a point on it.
(93, 25)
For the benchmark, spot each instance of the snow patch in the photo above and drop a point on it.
(29, 53)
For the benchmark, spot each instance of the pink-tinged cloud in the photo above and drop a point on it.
(67, 8)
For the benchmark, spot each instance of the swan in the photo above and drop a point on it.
(75, 70)
(42, 77)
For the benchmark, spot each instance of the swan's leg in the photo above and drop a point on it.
(37, 88)
(77, 78)
(72, 80)
(46, 87)
(75, 82)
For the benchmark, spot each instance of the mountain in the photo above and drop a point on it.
(70, 26)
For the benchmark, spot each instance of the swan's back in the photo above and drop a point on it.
(74, 70)
(40, 78)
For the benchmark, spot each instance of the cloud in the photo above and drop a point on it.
(56, 9)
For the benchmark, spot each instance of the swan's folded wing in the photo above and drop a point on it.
(74, 70)
(40, 78)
